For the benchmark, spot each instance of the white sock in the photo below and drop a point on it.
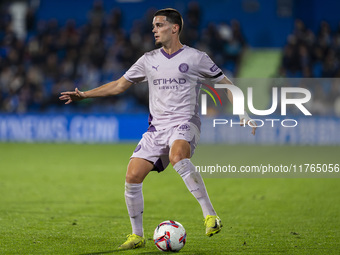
(135, 205)
(195, 184)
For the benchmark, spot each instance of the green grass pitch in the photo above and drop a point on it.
(68, 199)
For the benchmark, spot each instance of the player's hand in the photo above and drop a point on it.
(251, 124)
(72, 96)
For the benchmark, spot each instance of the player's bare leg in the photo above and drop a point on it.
(180, 149)
(137, 170)
(180, 153)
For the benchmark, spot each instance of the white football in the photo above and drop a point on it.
(169, 236)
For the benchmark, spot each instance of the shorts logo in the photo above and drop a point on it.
(138, 148)
(183, 68)
(213, 68)
(184, 127)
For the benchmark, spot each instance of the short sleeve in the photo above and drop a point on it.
(208, 69)
(136, 73)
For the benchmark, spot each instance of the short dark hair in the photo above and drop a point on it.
(172, 15)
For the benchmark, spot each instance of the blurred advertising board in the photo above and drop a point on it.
(105, 128)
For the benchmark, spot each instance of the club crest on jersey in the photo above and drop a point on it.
(183, 68)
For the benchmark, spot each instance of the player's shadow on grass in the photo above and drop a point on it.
(101, 252)
(114, 251)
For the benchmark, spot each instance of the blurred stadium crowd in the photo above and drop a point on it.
(53, 58)
(315, 55)
(308, 54)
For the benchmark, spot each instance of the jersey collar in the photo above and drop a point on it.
(173, 54)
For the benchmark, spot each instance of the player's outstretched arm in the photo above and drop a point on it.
(243, 117)
(108, 89)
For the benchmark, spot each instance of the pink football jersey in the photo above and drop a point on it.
(174, 83)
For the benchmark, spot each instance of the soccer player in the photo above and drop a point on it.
(174, 73)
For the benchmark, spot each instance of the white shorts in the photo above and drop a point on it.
(155, 145)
